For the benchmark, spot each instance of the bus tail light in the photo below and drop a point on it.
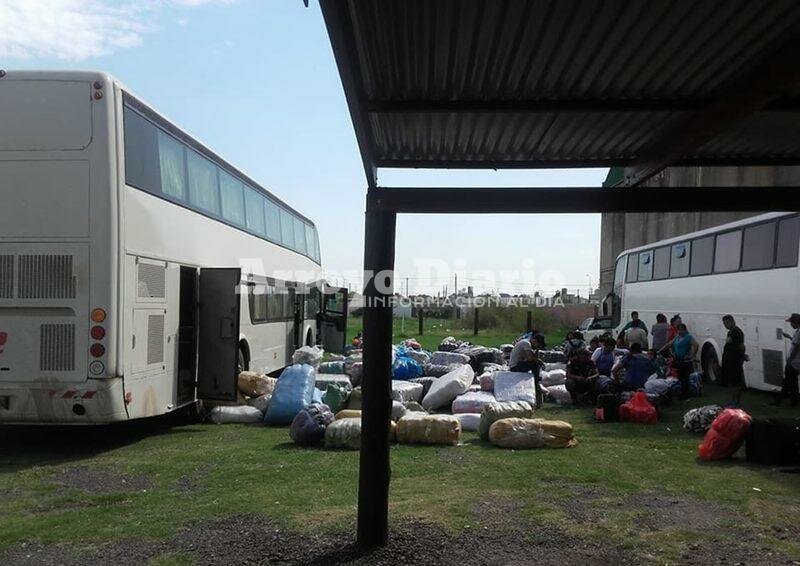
(98, 315)
(97, 350)
(98, 332)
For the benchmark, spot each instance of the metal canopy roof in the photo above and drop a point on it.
(570, 83)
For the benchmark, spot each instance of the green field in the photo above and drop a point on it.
(145, 481)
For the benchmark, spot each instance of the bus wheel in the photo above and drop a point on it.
(242, 361)
(711, 367)
(309, 339)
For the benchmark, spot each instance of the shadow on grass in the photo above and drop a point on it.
(52, 444)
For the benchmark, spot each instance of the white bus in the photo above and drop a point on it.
(748, 269)
(122, 241)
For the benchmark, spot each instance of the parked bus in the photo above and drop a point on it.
(747, 268)
(122, 241)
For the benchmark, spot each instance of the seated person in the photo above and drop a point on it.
(581, 376)
(605, 357)
(573, 341)
(660, 365)
(594, 344)
(638, 367)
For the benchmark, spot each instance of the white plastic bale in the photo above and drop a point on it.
(239, 414)
(469, 421)
(514, 386)
(344, 433)
(311, 355)
(472, 402)
(554, 365)
(406, 391)
(553, 377)
(448, 358)
(322, 380)
(448, 387)
(261, 403)
(398, 410)
(559, 394)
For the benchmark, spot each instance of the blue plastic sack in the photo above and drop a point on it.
(293, 392)
(405, 368)
(695, 385)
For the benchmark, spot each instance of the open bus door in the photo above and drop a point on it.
(333, 319)
(218, 335)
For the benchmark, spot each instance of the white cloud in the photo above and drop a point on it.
(78, 29)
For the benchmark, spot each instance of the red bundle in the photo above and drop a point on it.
(726, 435)
(638, 410)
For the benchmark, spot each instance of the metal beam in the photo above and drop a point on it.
(583, 199)
(764, 83)
(376, 385)
(423, 106)
(340, 31)
(765, 161)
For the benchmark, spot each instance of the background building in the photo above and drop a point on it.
(620, 231)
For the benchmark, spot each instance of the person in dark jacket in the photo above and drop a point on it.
(638, 367)
(581, 376)
(791, 371)
(733, 359)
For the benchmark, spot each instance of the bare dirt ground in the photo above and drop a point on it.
(501, 535)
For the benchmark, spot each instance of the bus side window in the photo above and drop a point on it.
(788, 242)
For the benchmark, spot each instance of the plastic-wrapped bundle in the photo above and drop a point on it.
(344, 433)
(487, 381)
(293, 392)
(531, 433)
(336, 397)
(472, 402)
(496, 411)
(406, 391)
(428, 429)
(356, 371)
(413, 406)
(322, 380)
(448, 387)
(695, 384)
(425, 381)
(658, 386)
(638, 410)
(404, 367)
(469, 421)
(336, 358)
(552, 356)
(421, 356)
(449, 344)
(726, 435)
(448, 358)
(354, 402)
(553, 377)
(255, 384)
(700, 419)
(236, 414)
(309, 355)
(479, 355)
(559, 394)
(550, 366)
(412, 344)
(514, 386)
(435, 370)
(493, 367)
(331, 367)
(348, 414)
(398, 410)
(308, 426)
(261, 402)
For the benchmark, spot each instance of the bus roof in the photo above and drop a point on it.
(110, 79)
(705, 232)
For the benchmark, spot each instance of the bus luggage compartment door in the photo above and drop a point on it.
(218, 334)
(333, 320)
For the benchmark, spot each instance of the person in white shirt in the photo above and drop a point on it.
(789, 388)
(525, 358)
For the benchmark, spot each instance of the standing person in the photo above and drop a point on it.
(659, 332)
(684, 349)
(636, 334)
(733, 359)
(789, 388)
(525, 358)
(673, 327)
(581, 376)
(634, 321)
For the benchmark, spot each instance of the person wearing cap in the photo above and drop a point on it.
(789, 388)
(733, 359)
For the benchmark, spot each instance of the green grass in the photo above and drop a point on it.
(237, 469)
(437, 329)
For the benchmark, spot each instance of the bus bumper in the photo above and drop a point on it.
(95, 401)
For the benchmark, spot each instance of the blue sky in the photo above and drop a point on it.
(256, 81)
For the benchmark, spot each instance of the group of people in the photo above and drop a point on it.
(607, 364)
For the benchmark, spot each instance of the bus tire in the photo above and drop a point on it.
(243, 363)
(309, 338)
(711, 369)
